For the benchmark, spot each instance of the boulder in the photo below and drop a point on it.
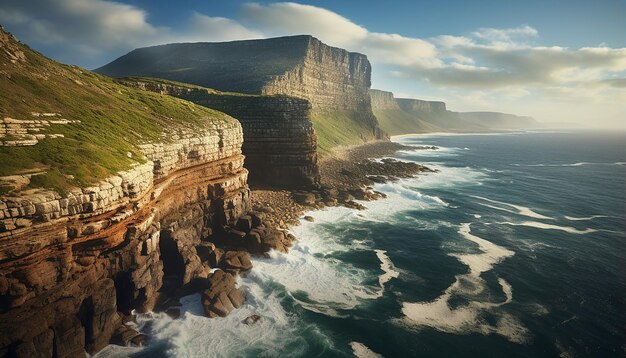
(250, 320)
(236, 261)
(304, 198)
(222, 297)
(244, 223)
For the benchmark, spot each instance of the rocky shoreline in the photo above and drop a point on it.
(347, 175)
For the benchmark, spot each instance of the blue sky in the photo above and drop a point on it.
(556, 60)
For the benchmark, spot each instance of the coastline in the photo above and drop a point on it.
(347, 173)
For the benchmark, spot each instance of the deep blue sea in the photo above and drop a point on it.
(516, 247)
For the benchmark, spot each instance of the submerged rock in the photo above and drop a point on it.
(250, 320)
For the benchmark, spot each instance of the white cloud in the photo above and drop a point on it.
(489, 67)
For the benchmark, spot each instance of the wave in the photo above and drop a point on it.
(194, 335)
(571, 218)
(579, 164)
(521, 210)
(360, 350)
(464, 319)
(539, 225)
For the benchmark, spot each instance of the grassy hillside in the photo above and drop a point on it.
(113, 119)
(397, 121)
(339, 128)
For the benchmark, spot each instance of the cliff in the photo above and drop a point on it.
(395, 120)
(408, 115)
(112, 199)
(335, 81)
(279, 140)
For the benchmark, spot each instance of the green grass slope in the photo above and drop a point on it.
(339, 128)
(397, 121)
(113, 118)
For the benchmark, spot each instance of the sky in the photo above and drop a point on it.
(556, 60)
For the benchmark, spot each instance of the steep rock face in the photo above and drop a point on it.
(396, 120)
(69, 265)
(279, 140)
(332, 79)
(409, 104)
(383, 100)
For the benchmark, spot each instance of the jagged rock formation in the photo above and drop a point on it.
(279, 140)
(74, 259)
(68, 265)
(332, 79)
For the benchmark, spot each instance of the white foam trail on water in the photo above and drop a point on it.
(579, 164)
(388, 268)
(571, 218)
(466, 318)
(521, 210)
(325, 284)
(360, 350)
(545, 226)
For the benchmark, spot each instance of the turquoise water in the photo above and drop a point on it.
(516, 247)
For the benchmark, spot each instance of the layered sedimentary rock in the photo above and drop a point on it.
(394, 119)
(418, 105)
(279, 140)
(332, 79)
(70, 265)
(383, 100)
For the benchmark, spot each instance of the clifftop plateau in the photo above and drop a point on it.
(336, 82)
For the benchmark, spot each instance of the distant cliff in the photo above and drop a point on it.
(335, 81)
(408, 115)
(418, 105)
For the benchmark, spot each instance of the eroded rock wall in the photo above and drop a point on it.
(382, 100)
(330, 78)
(279, 140)
(71, 267)
(418, 105)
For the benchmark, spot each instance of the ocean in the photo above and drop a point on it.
(516, 247)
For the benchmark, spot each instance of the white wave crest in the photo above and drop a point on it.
(195, 335)
(572, 218)
(519, 209)
(539, 225)
(466, 318)
(579, 164)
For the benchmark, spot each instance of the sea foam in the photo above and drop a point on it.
(519, 209)
(467, 318)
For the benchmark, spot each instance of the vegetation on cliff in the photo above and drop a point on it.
(113, 119)
(335, 81)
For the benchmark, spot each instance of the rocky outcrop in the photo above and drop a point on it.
(71, 266)
(222, 297)
(279, 140)
(331, 79)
